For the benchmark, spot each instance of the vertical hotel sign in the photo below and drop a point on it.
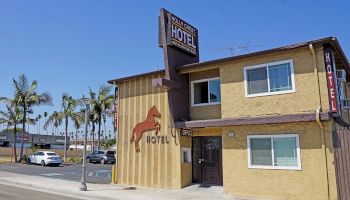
(331, 80)
(116, 104)
(182, 35)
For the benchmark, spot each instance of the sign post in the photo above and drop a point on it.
(179, 41)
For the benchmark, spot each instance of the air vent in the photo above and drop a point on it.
(345, 103)
(341, 75)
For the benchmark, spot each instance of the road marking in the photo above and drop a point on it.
(103, 171)
(9, 166)
(52, 174)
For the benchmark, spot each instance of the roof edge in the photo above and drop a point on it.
(118, 80)
(283, 48)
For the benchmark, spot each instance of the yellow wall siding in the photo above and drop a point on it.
(308, 183)
(235, 104)
(157, 165)
(213, 73)
(207, 132)
(208, 111)
(186, 168)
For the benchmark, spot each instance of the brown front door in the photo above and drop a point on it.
(207, 160)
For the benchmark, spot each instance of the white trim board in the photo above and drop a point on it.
(201, 81)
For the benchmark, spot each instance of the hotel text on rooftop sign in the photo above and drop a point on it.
(182, 35)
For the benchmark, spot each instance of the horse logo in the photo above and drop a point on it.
(147, 125)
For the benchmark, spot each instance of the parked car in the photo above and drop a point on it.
(101, 156)
(45, 158)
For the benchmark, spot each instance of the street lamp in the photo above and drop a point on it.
(83, 186)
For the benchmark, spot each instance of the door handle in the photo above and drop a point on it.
(200, 161)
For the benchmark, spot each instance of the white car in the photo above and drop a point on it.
(45, 158)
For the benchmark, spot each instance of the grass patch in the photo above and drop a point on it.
(75, 159)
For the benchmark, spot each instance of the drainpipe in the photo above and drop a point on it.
(318, 118)
(116, 131)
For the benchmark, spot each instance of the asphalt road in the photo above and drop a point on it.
(14, 193)
(96, 173)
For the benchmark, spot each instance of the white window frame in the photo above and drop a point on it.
(266, 65)
(250, 166)
(201, 81)
(187, 151)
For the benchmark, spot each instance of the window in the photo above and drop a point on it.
(110, 153)
(274, 151)
(269, 79)
(186, 155)
(39, 153)
(206, 92)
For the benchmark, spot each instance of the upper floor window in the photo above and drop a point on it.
(269, 79)
(206, 92)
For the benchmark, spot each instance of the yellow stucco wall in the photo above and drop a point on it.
(305, 99)
(308, 183)
(156, 165)
(186, 168)
(211, 111)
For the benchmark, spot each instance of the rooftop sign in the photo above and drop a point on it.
(181, 34)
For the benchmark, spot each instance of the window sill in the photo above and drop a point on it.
(275, 168)
(206, 104)
(269, 93)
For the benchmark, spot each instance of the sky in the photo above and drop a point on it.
(69, 46)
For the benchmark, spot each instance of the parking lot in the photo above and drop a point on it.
(96, 173)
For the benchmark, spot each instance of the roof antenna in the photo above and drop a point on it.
(239, 49)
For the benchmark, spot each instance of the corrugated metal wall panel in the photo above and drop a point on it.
(341, 142)
(156, 165)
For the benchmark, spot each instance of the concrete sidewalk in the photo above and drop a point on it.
(109, 192)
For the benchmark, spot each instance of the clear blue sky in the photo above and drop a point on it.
(68, 46)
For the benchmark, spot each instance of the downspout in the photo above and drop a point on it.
(318, 118)
(116, 131)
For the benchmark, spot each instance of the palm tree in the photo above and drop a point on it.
(12, 117)
(39, 119)
(93, 121)
(27, 97)
(45, 116)
(101, 104)
(104, 116)
(78, 120)
(68, 106)
(36, 120)
(55, 120)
